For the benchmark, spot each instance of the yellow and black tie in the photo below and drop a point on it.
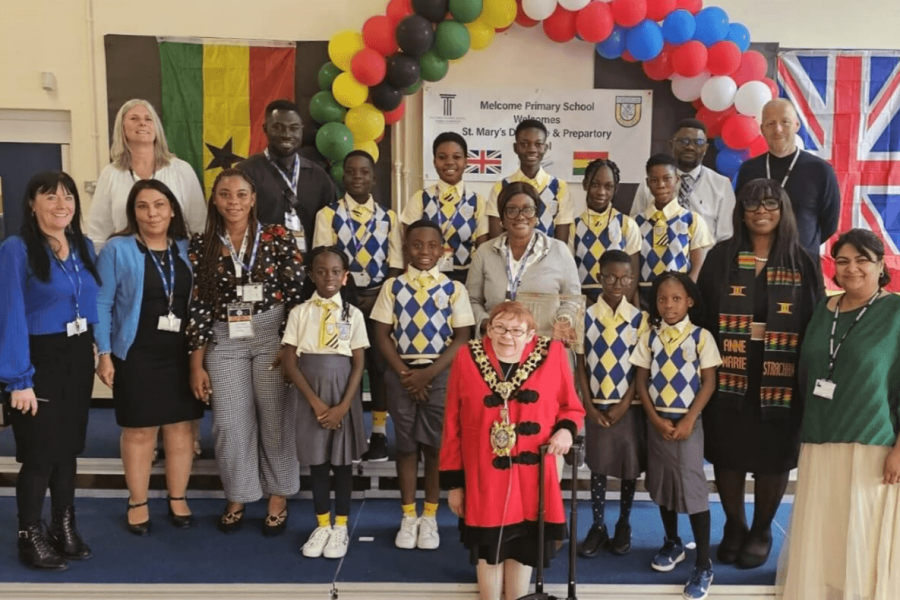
(328, 329)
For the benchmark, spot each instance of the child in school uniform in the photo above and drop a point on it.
(458, 212)
(676, 375)
(370, 237)
(555, 213)
(420, 320)
(673, 238)
(615, 427)
(327, 334)
(601, 227)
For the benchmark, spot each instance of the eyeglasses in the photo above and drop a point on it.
(502, 330)
(753, 204)
(512, 212)
(613, 280)
(685, 142)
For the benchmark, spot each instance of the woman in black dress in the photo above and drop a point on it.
(760, 287)
(143, 306)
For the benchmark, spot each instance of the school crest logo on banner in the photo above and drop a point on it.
(628, 110)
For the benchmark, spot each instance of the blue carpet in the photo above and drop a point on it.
(204, 555)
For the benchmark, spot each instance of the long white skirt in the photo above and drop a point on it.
(844, 539)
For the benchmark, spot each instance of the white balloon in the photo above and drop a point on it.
(687, 89)
(538, 9)
(574, 4)
(751, 98)
(718, 93)
(798, 141)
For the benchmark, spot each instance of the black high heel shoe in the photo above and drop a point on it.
(137, 528)
(179, 521)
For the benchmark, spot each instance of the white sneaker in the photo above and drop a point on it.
(409, 530)
(317, 542)
(337, 543)
(429, 538)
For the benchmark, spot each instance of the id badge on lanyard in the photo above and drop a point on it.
(79, 324)
(240, 320)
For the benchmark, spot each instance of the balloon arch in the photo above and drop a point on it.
(706, 57)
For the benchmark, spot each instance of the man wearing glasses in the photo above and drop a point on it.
(701, 190)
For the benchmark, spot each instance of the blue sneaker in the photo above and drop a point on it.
(668, 556)
(697, 587)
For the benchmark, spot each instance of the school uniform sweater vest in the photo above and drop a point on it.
(607, 352)
(675, 376)
(459, 233)
(372, 255)
(673, 256)
(548, 208)
(589, 246)
(423, 326)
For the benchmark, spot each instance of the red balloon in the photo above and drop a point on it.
(689, 59)
(660, 68)
(772, 86)
(724, 58)
(758, 147)
(697, 104)
(658, 10)
(560, 26)
(714, 120)
(378, 34)
(629, 13)
(692, 6)
(739, 131)
(753, 66)
(392, 116)
(627, 57)
(523, 19)
(368, 67)
(594, 22)
(397, 10)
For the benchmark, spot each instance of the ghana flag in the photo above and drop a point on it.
(214, 95)
(582, 158)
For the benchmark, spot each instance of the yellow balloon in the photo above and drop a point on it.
(499, 13)
(342, 46)
(365, 122)
(368, 146)
(481, 34)
(348, 91)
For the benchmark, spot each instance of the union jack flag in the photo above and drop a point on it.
(849, 108)
(485, 162)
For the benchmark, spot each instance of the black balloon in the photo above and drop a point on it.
(415, 34)
(402, 70)
(433, 10)
(385, 97)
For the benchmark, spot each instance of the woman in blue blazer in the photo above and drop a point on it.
(143, 310)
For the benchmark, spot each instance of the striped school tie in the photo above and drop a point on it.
(328, 331)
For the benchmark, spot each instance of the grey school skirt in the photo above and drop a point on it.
(675, 477)
(621, 450)
(328, 375)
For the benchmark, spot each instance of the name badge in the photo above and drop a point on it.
(446, 263)
(300, 240)
(824, 389)
(240, 320)
(361, 279)
(251, 292)
(292, 221)
(344, 331)
(553, 207)
(169, 323)
(76, 327)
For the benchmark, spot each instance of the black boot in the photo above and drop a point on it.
(36, 549)
(65, 537)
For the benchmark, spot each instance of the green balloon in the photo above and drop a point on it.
(465, 11)
(414, 87)
(451, 40)
(323, 108)
(337, 172)
(327, 74)
(432, 66)
(334, 141)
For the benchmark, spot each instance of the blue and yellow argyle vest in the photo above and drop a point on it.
(589, 246)
(423, 327)
(373, 254)
(675, 376)
(607, 350)
(459, 232)
(673, 256)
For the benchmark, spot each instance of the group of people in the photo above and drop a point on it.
(706, 334)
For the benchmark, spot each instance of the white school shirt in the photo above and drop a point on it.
(302, 329)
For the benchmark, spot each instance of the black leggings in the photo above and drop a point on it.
(32, 484)
(321, 488)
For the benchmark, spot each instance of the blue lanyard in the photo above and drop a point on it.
(295, 179)
(513, 283)
(370, 230)
(443, 222)
(76, 287)
(168, 284)
(239, 258)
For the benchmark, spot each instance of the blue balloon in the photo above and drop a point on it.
(645, 40)
(712, 25)
(613, 46)
(720, 143)
(740, 35)
(679, 27)
(728, 161)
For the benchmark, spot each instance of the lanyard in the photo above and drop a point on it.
(294, 179)
(168, 283)
(370, 230)
(76, 287)
(834, 350)
(239, 258)
(445, 222)
(513, 283)
(790, 168)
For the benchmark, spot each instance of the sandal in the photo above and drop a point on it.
(274, 525)
(231, 521)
